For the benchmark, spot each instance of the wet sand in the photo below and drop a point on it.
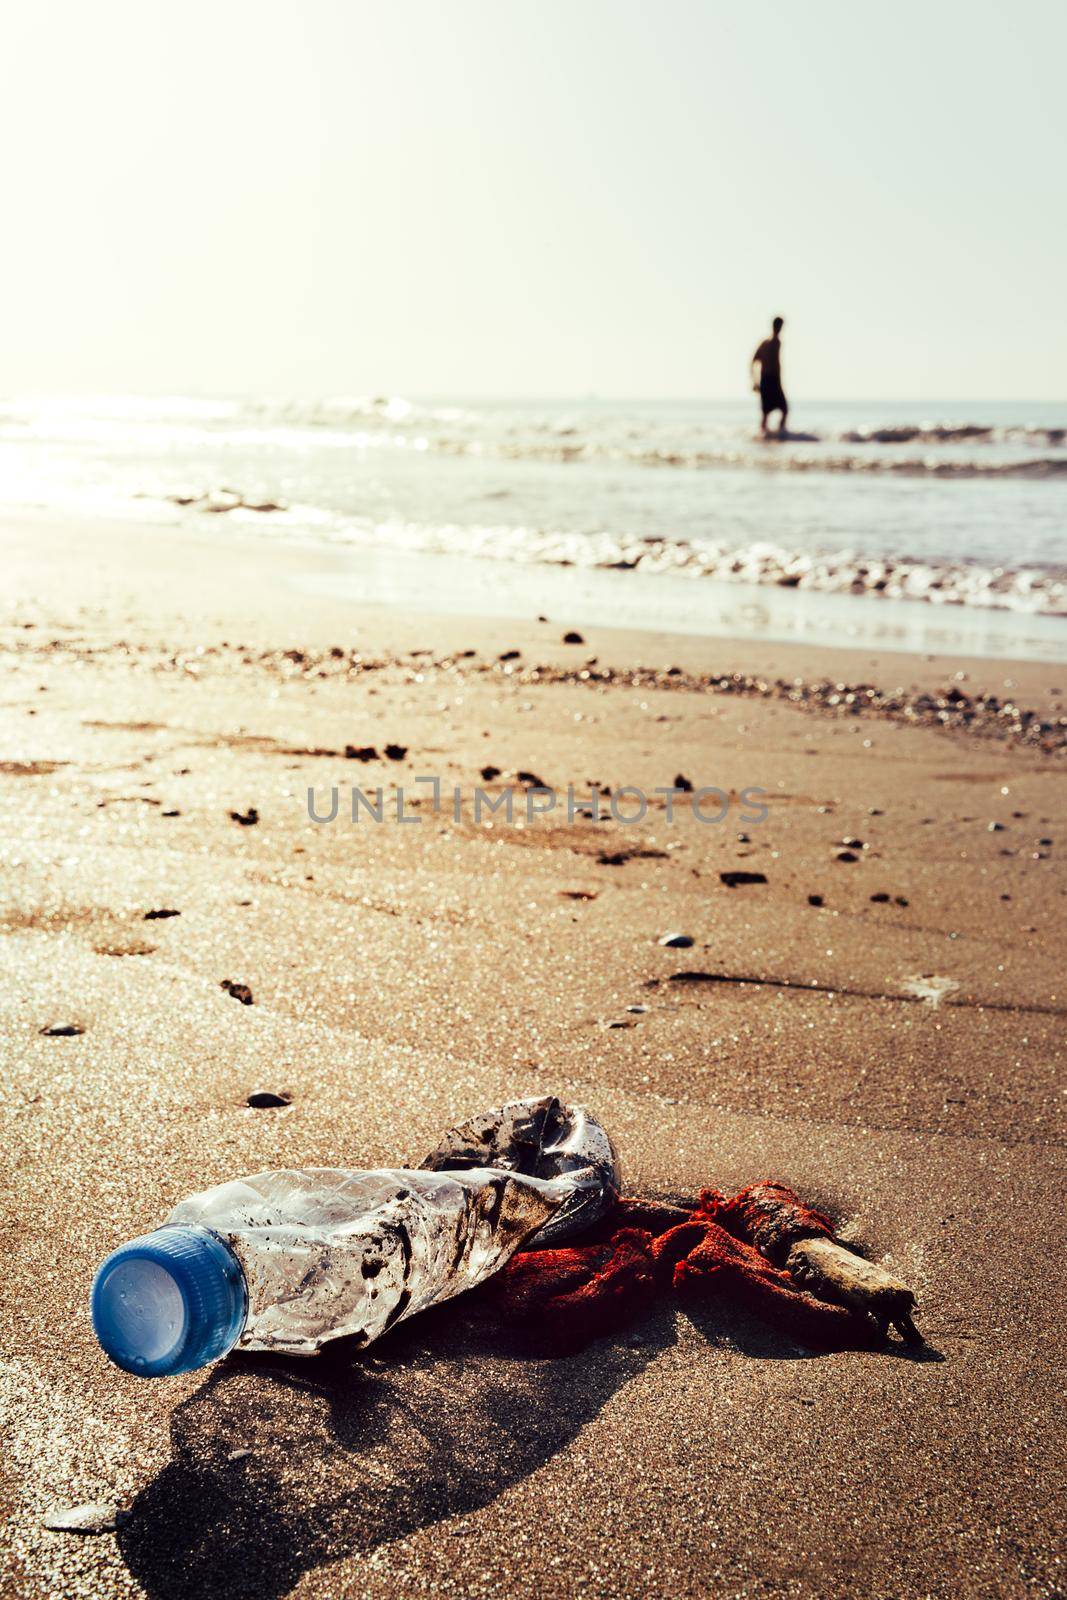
(895, 1053)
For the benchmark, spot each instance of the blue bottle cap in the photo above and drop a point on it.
(170, 1301)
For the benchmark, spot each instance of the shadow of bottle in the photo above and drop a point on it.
(282, 1465)
(346, 1451)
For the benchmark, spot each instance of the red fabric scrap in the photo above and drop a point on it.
(562, 1299)
(767, 1215)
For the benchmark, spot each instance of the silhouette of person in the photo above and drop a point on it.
(768, 386)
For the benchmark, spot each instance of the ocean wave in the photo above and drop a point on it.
(560, 447)
(954, 433)
(364, 411)
(691, 439)
(770, 456)
(1030, 590)
(565, 437)
(393, 423)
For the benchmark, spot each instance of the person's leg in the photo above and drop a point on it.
(783, 415)
(763, 420)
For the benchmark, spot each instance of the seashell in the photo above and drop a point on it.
(94, 1517)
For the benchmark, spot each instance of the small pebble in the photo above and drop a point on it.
(845, 855)
(267, 1100)
(156, 916)
(815, 900)
(880, 899)
(396, 752)
(573, 638)
(733, 880)
(676, 941)
(247, 819)
(62, 1030)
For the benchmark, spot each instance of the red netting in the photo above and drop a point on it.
(718, 1246)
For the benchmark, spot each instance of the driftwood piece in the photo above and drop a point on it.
(793, 1235)
(836, 1273)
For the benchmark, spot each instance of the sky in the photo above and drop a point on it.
(571, 197)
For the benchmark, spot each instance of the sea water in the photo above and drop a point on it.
(898, 524)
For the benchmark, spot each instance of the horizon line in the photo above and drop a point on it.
(538, 396)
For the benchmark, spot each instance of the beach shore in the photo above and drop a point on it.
(894, 1052)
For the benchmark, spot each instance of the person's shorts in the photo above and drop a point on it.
(771, 397)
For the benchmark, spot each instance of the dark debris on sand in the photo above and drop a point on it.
(619, 858)
(951, 708)
(240, 991)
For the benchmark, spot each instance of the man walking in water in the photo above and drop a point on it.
(768, 358)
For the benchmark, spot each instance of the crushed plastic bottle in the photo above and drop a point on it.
(288, 1260)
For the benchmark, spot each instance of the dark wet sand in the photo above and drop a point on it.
(403, 976)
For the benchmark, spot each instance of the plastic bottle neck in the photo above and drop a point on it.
(169, 1302)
